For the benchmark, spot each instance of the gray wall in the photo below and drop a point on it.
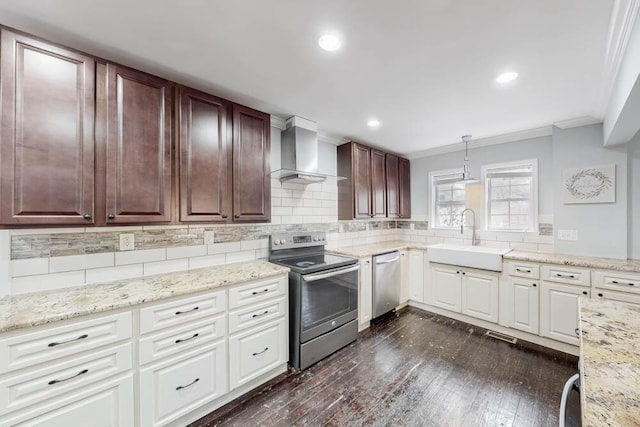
(602, 227)
(536, 148)
(634, 197)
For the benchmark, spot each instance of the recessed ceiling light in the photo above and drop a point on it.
(373, 123)
(507, 77)
(329, 42)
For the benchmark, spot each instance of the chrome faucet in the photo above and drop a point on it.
(474, 241)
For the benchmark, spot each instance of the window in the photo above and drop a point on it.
(448, 197)
(511, 196)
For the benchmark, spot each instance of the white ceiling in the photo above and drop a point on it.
(424, 68)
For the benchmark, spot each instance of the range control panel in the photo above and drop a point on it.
(297, 240)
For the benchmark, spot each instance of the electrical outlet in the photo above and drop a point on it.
(208, 237)
(127, 242)
(569, 235)
(412, 226)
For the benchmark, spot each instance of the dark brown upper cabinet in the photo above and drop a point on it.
(354, 193)
(393, 194)
(251, 165)
(46, 142)
(204, 157)
(378, 184)
(138, 152)
(404, 180)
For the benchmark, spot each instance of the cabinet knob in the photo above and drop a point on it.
(225, 216)
(584, 292)
(464, 272)
(457, 272)
(86, 216)
(600, 295)
(236, 216)
(534, 285)
(111, 216)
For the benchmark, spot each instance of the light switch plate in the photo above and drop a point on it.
(570, 235)
(209, 237)
(127, 242)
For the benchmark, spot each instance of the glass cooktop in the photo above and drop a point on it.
(312, 263)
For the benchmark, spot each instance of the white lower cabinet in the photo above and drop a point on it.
(447, 288)
(179, 385)
(559, 311)
(480, 295)
(256, 352)
(404, 276)
(109, 404)
(365, 294)
(416, 275)
(522, 303)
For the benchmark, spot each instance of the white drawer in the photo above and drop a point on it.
(563, 274)
(617, 281)
(34, 386)
(256, 292)
(180, 311)
(256, 314)
(257, 351)
(180, 385)
(524, 269)
(616, 296)
(179, 339)
(27, 349)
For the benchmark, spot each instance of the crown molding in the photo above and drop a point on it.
(484, 142)
(577, 122)
(278, 122)
(623, 19)
(329, 139)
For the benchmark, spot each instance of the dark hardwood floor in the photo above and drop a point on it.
(415, 369)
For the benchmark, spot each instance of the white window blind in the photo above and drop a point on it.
(448, 198)
(511, 196)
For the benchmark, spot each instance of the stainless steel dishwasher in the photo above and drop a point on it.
(386, 282)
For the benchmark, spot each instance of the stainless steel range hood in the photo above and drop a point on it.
(299, 153)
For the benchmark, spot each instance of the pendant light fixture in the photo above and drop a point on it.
(466, 173)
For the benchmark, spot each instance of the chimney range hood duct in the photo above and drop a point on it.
(299, 153)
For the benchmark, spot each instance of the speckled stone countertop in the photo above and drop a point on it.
(362, 251)
(610, 363)
(24, 310)
(576, 261)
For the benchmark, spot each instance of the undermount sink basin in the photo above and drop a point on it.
(480, 257)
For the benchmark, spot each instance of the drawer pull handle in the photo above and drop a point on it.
(180, 387)
(188, 311)
(187, 339)
(522, 270)
(81, 337)
(615, 282)
(52, 382)
(260, 352)
(259, 292)
(261, 314)
(570, 276)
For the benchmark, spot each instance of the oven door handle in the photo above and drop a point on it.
(314, 277)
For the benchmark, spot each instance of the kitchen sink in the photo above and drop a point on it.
(481, 257)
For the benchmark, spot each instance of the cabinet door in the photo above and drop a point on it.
(480, 295)
(447, 288)
(416, 276)
(559, 311)
(365, 309)
(404, 182)
(361, 169)
(251, 170)
(522, 302)
(393, 186)
(204, 158)
(46, 150)
(378, 184)
(138, 177)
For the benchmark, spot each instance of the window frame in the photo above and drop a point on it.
(432, 196)
(533, 207)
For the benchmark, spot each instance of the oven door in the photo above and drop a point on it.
(329, 300)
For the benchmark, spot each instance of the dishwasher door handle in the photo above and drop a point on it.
(387, 261)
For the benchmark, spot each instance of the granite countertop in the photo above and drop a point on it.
(24, 310)
(610, 363)
(632, 266)
(362, 251)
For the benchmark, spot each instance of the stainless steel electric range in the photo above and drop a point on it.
(323, 296)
